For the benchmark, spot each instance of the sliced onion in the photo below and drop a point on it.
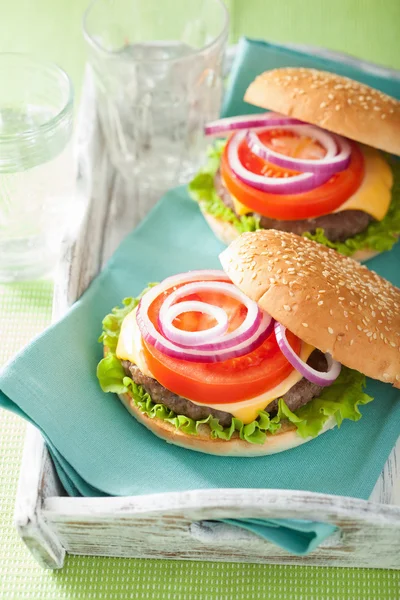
(243, 332)
(289, 185)
(224, 126)
(193, 338)
(248, 336)
(200, 275)
(330, 164)
(320, 378)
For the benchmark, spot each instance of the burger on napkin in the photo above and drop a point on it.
(258, 358)
(320, 165)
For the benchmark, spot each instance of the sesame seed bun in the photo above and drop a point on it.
(285, 439)
(226, 232)
(328, 300)
(338, 104)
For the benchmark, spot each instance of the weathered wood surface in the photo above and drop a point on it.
(37, 481)
(176, 525)
(167, 525)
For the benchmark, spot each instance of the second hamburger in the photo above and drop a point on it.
(321, 165)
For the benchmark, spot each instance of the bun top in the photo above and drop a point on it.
(328, 300)
(336, 103)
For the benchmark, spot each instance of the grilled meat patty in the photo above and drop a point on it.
(301, 393)
(337, 226)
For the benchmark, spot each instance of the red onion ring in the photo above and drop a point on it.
(244, 331)
(193, 338)
(225, 126)
(330, 164)
(237, 343)
(318, 377)
(290, 185)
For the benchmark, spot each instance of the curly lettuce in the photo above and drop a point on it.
(202, 189)
(340, 400)
(379, 235)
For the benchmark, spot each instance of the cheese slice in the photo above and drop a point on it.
(130, 343)
(240, 209)
(374, 194)
(130, 347)
(247, 410)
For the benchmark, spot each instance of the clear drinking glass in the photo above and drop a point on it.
(158, 74)
(37, 175)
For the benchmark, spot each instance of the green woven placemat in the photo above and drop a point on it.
(24, 311)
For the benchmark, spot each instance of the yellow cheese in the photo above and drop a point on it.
(130, 347)
(247, 410)
(374, 194)
(240, 209)
(130, 344)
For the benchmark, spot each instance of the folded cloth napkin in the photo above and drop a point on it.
(98, 449)
(295, 535)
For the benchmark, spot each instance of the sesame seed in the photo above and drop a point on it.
(351, 342)
(337, 107)
(330, 330)
(322, 105)
(305, 324)
(287, 307)
(320, 303)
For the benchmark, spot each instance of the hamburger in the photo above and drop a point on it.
(258, 358)
(321, 164)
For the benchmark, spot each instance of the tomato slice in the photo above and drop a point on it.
(232, 380)
(314, 203)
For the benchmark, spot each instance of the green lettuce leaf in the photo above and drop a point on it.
(379, 235)
(202, 189)
(113, 321)
(340, 399)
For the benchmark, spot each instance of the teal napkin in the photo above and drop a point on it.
(298, 536)
(98, 449)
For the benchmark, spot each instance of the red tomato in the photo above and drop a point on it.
(314, 203)
(218, 383)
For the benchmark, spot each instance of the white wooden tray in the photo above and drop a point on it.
(174, 525)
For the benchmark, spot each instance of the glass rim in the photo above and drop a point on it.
(93, 43)
(66, 106)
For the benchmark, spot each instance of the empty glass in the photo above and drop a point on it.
(158, 80)
(37, 174)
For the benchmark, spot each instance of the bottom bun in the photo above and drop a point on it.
(226, 232)
(285, 439)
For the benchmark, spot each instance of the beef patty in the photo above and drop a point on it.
(337, 226)
(301, 393)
